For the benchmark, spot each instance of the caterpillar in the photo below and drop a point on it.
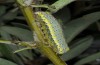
(53, 31)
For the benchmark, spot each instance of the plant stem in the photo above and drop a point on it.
(29, 15)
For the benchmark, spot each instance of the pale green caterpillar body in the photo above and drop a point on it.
(54, 32)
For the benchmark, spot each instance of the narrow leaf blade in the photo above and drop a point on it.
(88, 59)
(83, 45)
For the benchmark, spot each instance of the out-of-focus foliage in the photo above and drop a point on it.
(88, 59)
(5, 62)
(80, 21)
(78, 47)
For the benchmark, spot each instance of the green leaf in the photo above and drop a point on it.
(74, 27)
(6, 62)
(21, 33)
(83, 44)
(2, 10)
(88, 59)
(20, 25)
(7, 52)
(60, 4)
(5, 35)
(10, 15)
